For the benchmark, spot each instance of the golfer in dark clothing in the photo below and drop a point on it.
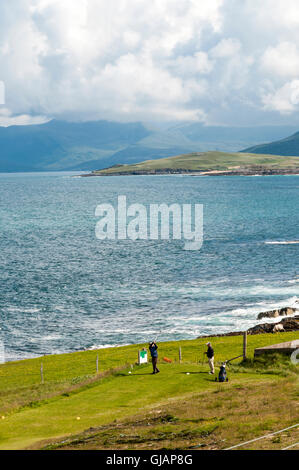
(154, 353)
(210, 356)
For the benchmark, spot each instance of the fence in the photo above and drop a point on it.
(76, 367)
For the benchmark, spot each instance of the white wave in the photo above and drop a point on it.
(15, 356)
(265, 307)
(286, 242)
(22, 310)
(50, 337)
(60, 308)
(281, 291)
(105, 346)
(191, 318)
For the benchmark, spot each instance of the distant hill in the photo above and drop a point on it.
(197, 132)
(60, 145)
(288, 147)
(209, 163)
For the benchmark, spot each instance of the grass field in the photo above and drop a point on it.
(208, 161)
(138, 410)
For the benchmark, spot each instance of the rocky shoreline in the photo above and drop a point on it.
(281, 312)
(252, 171)
(290, 323)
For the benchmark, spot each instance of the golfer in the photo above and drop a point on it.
(210, 356)
(154, 353)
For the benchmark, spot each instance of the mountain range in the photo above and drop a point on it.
(287, 147)
(60, 145)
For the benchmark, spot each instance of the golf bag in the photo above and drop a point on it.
(222, 377)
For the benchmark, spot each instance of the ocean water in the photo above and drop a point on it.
(63, 290)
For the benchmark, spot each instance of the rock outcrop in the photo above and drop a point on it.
(289, 324)
(281, 312)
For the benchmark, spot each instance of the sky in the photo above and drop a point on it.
(219, 62)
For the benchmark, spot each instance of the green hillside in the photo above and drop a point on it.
(129, 408)
(288, 146)
(208, 161)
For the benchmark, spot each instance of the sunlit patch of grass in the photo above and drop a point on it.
(198, 425)
(212, 160)
(74, 397)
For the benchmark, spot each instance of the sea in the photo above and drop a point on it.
(62, 289)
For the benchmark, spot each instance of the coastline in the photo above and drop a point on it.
(290, 323)
(239, 172)
(210, 163)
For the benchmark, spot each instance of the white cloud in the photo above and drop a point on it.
(190, 65)
(282, 60)
(2, 93)
(104, 60)
(285, 99)
(226, 48)
(165, 59)
(7, 119)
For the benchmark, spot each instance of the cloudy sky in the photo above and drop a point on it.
(217, 61)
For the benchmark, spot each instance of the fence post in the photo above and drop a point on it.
(244, 345)
(180, 354)
(42, 373)
(97, 363)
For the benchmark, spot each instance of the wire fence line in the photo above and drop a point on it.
(291, 447)
(72, 367)
(79, 366)
(45, 370)
(263, 437)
